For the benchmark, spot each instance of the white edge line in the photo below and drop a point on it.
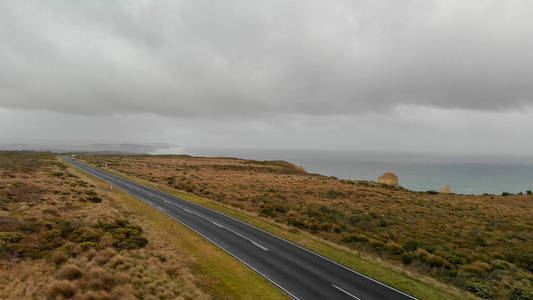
(351, 295)
(236, 257)
(312, 252)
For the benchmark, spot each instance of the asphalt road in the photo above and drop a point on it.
(300, 273)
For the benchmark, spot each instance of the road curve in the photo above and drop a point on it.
(300, 273)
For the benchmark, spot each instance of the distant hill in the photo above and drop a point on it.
(93, 148)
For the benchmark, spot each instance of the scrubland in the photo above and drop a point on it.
(480, 244)
(64, 235)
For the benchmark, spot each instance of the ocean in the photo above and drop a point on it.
(465, 174)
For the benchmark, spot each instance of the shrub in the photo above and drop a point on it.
(94, 199)
(51, 239)
(70, 272)
(268, 210)
(411, 245)
(529, 193)
(407, 259)
(455, 260)
(525, 261)
(452, 273)
(355, 237)
(296, 222)
(479, 289)
(63, 288)
(506, 194)
(394, 248)
(58, 257)
(432, 192)
(85, 234)
(521, 294)
(435, 261)
(67, 227)
(477, 267)
(12, 237)
(325, 227)
(128, 238)
(280, 206)
(421, 253)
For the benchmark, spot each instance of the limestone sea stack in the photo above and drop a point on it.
(388, 178)
(445, 189)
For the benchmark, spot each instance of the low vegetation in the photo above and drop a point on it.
(64, 235)
(480, 244)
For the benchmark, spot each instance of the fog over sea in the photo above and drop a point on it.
(466, 174)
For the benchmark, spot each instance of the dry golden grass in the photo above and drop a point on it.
(480, 241)
(54, 243)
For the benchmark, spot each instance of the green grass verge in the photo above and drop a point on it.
(420, 286)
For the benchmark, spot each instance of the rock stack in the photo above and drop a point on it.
(445, 189)
(388, 178)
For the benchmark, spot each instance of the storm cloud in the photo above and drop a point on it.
(440, 76)
(219, 59)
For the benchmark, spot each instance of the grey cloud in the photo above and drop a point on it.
(250, 58)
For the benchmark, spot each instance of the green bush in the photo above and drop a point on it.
(529, 193)
(125, 235)
(86, 234)
(94, 199)
(12, 237)
(479, 289)
(452, 273)
(67, 227)
(268, 210)
(407, 259)
(51, 239)
(521, 294)
(455, 260)
(296, 222)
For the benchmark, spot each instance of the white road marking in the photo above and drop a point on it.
(216, 224)
(236, 257)
(353, 296)
(260, 246)
(205, 218)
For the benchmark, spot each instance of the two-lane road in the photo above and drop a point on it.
(300, 273)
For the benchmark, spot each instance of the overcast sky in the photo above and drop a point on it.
(439, 76)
